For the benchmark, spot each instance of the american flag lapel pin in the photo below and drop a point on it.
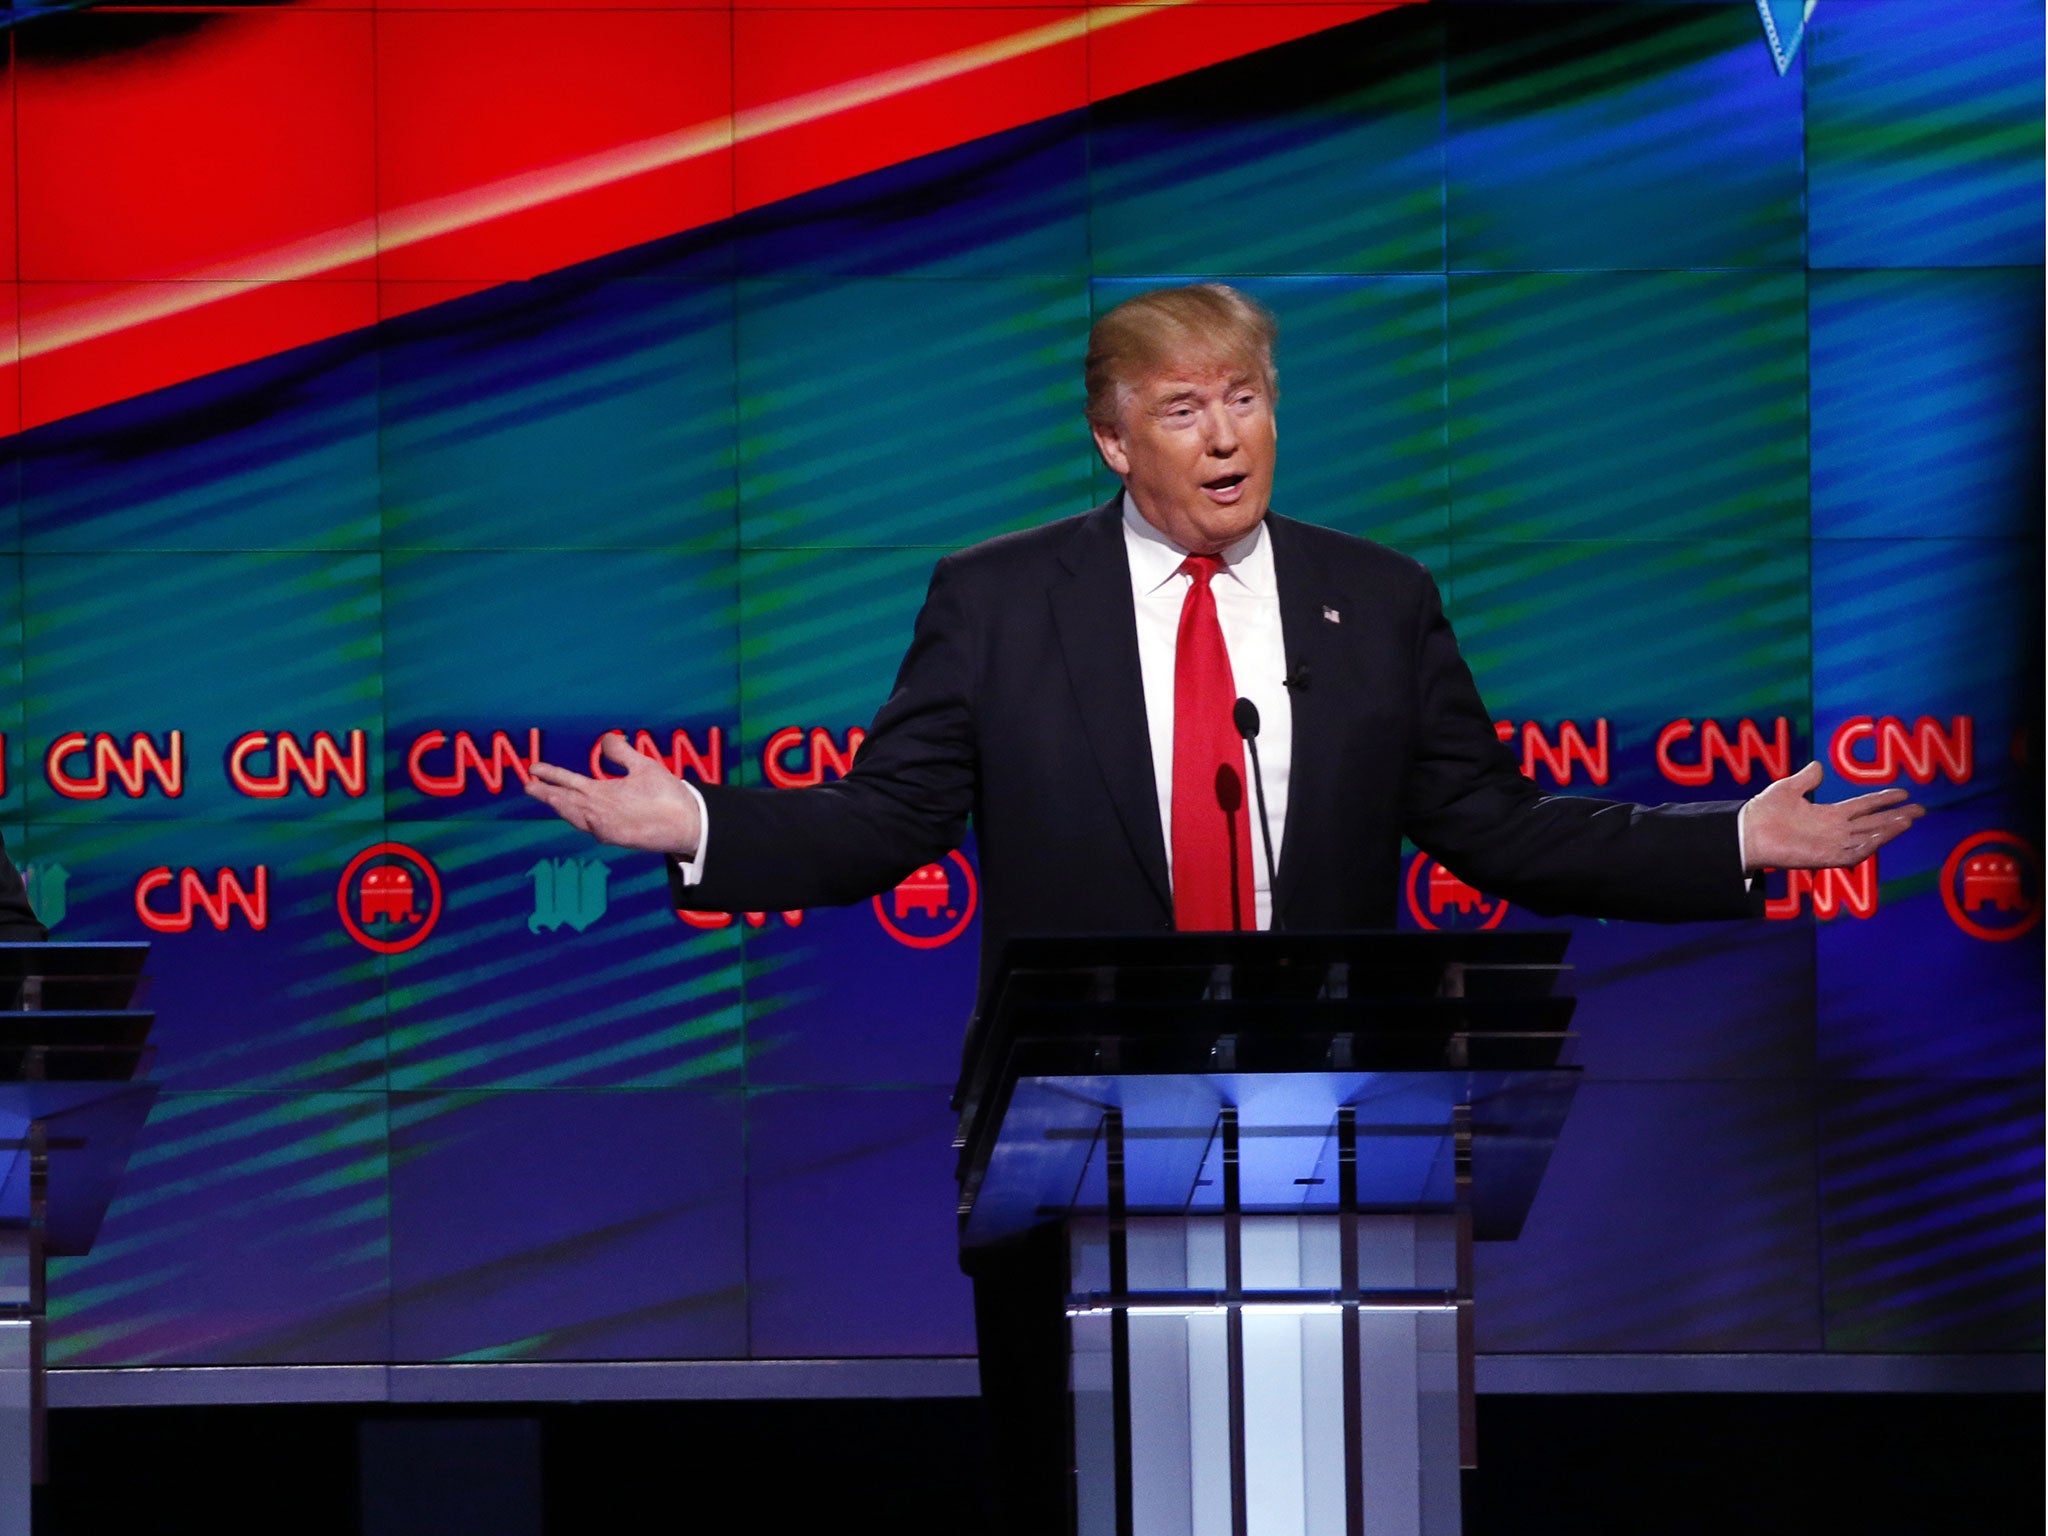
(1331, 615)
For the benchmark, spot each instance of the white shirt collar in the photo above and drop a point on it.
(1155, 559)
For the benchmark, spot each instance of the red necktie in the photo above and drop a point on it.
(1212, 838)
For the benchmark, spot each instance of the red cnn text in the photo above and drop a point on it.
(1557, 760)
(706, 767)
(465, 758)
(290, 761)
(789, 766)
(1874, 749)
(1740, 757)
(81, 767)
(1831, 892)
(190, 895)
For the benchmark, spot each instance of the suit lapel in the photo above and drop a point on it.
(1098, 632)
(1311, 640)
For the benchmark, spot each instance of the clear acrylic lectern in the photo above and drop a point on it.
(73, 1049)
(1271, 1154)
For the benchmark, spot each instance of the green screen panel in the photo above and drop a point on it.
(16, 760)
(1924, 134)
(1927, 403)
(1930, 1211)
(1619, 136)
(562, 415)
(1636, 628)
(530, 982)
(1347, 123)
(212, 646)
(272, 1207)
(822, 634)
(280, 454)
(888, 412)
(502, 1204)
(1612, 1270)
(1667, 405)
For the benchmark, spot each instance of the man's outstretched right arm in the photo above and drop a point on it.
(905, 803)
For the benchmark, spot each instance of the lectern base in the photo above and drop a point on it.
(1271, 1155)
(1266, 1403)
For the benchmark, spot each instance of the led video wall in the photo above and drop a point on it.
(397, 393)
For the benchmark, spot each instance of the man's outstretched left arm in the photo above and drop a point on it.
(1469, 805)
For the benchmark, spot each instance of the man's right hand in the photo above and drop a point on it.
(645, 808)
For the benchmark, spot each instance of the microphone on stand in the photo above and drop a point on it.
(1244, 714)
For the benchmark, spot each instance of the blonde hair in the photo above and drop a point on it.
(1203, 323)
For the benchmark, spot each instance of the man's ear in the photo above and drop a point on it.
(1109, 442)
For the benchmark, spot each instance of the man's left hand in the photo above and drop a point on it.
(1782, 829)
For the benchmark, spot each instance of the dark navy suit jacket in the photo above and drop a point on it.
(1019, 704)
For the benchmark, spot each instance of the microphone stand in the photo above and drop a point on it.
(1244, 714)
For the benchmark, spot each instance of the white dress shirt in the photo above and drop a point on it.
(1248, 609)
(692, 868)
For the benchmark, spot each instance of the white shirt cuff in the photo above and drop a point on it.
(1741, 840)
(692, 869)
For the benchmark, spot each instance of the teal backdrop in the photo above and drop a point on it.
(1706, 381)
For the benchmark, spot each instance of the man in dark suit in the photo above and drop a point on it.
(1036, 699)
(1070, 689)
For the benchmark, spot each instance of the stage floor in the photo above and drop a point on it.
(1875, 1464)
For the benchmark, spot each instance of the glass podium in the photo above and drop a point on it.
(74, 1052)
(1271, 1154)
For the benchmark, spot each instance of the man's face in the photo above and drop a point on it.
(1194, 444)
